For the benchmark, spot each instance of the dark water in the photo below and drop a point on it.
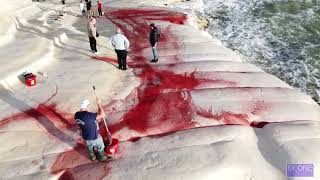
(282, 37)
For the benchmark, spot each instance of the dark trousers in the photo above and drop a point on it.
(93, 44)
(100, 12)
(122, 59)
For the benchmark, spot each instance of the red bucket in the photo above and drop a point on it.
(113, 147)
(31, 80)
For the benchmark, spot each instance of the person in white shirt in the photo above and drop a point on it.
(121, 45)
(82, 10)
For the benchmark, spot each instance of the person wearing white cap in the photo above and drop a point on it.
(88, 123)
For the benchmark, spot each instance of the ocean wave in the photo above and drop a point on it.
(280, 36)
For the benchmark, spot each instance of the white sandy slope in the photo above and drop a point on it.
(58, 52)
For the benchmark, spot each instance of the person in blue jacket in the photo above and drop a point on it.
(154, 39)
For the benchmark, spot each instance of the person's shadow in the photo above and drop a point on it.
(40, 115)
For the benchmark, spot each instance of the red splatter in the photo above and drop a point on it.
(134, 139)
(227, 118)
(259, 107)
(155, 112)
(260, 124)
(67, 175)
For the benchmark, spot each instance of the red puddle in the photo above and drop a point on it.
(157, 113)
(154, 113)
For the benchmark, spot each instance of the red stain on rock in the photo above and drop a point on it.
(139, 117)
(259, 107)
(223, 117)
(229, 118)
(67, 175)
(258, 124)
(156, 110)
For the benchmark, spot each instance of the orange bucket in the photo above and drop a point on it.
(113, 147)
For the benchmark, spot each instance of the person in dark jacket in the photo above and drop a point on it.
(89, 11)
(154, 39)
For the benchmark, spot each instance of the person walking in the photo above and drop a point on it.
(154, 39)
(88, 123)
(99, 8)
(121, 45)
(82, 10)
(92, 33)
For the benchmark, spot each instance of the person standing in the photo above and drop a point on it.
(121, 45)
(92, 33)
(100, 8)
(88, 123)
(88, 2)
(82, 10)
(154, 39)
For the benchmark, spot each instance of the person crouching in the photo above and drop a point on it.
(88, 123)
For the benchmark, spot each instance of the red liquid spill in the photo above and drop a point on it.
(69, 159)
(155, 112)
(258, 124)
(225, 117)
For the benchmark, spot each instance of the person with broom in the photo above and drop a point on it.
(88, 123)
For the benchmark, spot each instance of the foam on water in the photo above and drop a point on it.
(280, 36)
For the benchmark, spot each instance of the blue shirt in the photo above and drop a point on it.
(87, 123)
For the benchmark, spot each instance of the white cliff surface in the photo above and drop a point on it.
(199, 113)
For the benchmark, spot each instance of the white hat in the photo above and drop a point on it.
(84, 104)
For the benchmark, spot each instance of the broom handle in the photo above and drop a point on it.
(104, 119)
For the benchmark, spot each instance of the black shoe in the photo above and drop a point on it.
(124, 69)
(156, 60)
(153, 60)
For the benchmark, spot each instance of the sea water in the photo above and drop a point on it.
(280, 36)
